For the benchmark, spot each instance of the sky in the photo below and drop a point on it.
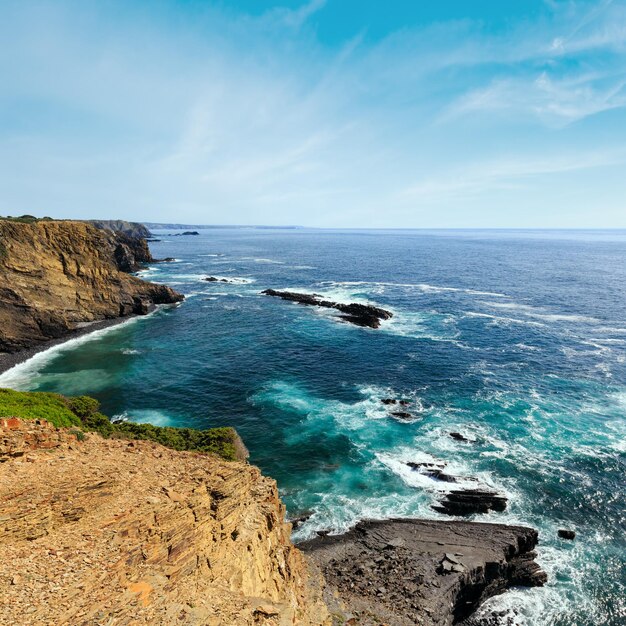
(320, 113)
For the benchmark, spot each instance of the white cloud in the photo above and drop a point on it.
(248, 120)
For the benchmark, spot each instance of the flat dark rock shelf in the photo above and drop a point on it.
(406, 572)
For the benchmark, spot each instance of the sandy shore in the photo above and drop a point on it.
(9, 360)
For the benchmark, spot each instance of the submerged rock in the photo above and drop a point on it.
(433, 470)
(402, 415)
(296, 522)
(471, 501)
(432, 573)
(214, 279)
(359, 314)
(460, 437)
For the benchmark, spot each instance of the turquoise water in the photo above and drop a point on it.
(515, 339)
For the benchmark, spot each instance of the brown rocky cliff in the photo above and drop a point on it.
(55, 275)
(118, 532)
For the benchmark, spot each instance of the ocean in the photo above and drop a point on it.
(515, 339)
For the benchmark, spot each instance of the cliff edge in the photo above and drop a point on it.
(96, 531)
(58, 275)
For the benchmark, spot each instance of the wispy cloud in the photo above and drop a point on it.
(503, 174)
(557, 102)
(295, 18)
(224, 116)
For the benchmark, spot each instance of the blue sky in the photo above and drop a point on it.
(332, 113)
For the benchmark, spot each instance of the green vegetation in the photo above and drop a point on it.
(26, 219)
(46, 406)
(83, 413)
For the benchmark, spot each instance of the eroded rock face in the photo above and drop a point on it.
(55, 275)
(102, 531)
(422, 572)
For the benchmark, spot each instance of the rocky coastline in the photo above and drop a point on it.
(196, 540)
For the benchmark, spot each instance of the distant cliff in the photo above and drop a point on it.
(56, 275)
(132, 229)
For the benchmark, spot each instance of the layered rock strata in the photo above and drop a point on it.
(422, 572)
(111, 531)
(55, 276)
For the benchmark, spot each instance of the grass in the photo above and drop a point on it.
(82, 413)
(46, 406)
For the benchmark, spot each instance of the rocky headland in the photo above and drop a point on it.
(422, 572)
(56, 277)
(96, 531)
(355, 313)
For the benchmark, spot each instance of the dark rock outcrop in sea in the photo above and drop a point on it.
(434, 470)
(57, 276)
(460, 437)
(567, 534)
(471, 501)
(432, 573)
(355, 313)
(214, 279)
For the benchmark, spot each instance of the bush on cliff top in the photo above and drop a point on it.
(46, 406)
(83, 412)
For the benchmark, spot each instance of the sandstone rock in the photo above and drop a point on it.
(56, 276)
(94, 535)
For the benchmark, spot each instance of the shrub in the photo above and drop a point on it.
(83, 413)
(83, 406)
(79, 434)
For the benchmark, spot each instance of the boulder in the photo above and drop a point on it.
(567, 534)
(471, 501)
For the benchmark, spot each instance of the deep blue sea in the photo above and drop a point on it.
(516, 339)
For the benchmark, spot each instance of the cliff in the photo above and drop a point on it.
(129, 532)
(131, 229)
(57, 275)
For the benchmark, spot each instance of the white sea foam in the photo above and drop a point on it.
(424, 287)
(145, 416)
(23, 375)
(541, 313)
(499, 320)
(262, 260)
(130, 351)
(232, 280)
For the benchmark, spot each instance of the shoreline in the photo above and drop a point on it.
(8, 360)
